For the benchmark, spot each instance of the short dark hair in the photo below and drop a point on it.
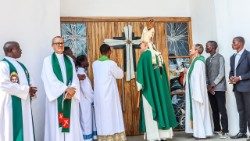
(104, 49)
(80, 59)
(240, 39)
(66, 48)
(9, 45)
(213, 44)
(199, 47)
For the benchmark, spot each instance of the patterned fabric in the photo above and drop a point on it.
(116, 137)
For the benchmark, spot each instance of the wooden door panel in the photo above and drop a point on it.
(102, 28)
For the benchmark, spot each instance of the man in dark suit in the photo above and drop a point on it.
(240, 78)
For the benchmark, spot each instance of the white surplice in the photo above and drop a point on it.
(108, 112)
(21, 90)
(87, 118)
(202, 121)
(153, 133)
(54, 88)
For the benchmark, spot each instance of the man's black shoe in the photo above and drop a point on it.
(239, 135)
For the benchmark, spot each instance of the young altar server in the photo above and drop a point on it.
(87, 118)
(108, 112)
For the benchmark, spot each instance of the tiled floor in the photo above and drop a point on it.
(181, 136)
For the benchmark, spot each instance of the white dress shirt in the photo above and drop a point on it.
(237, 58)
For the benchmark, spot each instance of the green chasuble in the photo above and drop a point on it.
(156, 90)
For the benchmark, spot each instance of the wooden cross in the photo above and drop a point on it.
(129, 43)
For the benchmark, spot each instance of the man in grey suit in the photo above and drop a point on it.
(216, 84)
(239, 76)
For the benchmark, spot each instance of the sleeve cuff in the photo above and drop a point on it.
(240, 77)
(139, 86)
(215, 83)
(26, 93)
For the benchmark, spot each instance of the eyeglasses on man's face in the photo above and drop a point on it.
(58, 43)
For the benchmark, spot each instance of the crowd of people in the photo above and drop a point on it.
(77, 111)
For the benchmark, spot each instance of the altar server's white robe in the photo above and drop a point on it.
(7, 88)
(202, 122)
(54, 88)
(87, 118)
(108, 112)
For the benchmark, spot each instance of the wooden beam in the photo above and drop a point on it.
(124, 19)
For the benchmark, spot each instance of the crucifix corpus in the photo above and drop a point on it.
(129, 43)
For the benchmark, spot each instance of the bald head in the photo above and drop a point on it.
(12, 49)
(8, 46)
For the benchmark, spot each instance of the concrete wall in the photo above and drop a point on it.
(32, 24)
(203, 21)
(231, 17)
(127, 8)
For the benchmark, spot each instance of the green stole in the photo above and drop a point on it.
(63, 105)
(103, 58)
(17, 116)
(201, 58)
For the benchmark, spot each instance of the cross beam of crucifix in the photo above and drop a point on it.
(129, 42)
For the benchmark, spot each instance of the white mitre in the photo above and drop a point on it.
(147, 37)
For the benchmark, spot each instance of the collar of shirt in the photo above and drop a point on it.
(239, 53)
(9, 58)
(214, 55)
(59, 55)
(81, 70)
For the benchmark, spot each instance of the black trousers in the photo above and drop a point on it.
(243, 106)
(218, 105)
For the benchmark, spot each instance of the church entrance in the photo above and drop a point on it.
(172, 38)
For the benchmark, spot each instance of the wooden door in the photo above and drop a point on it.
(97, 32)
(99, 29)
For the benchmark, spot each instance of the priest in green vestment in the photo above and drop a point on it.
(61, 84)
(157, 117)
(198, 118)
(16, 91)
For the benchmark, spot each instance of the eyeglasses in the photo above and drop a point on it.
(59, 43)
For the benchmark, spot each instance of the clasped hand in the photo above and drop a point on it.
(211, 88)
(70, 92)
(32, 91)
(234, 79)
